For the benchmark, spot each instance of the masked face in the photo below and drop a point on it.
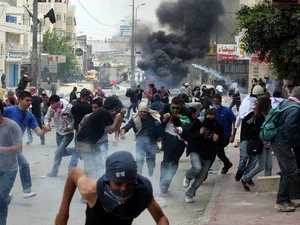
(115, 198)
(216, 106)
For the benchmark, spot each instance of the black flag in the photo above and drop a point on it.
(51, 16)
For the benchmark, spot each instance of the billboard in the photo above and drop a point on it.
(227, 51)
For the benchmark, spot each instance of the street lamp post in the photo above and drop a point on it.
(132, 54)
(133, 30)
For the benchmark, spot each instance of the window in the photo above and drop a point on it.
(58, 0)
(69, 20)
(42, 0)
(58, 17)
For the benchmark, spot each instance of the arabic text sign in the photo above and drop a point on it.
(227, 51)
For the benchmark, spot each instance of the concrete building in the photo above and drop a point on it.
(16, 32)
(15, 40)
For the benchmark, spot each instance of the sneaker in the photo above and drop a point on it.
(51, 175)
(294, 204)
(226, 168)
(42, 143)
(186, 182)
(285, 207)
(245, 185)
(189, 199)
(238, 175)
(29, 195)
(28, 142)
(251, 183)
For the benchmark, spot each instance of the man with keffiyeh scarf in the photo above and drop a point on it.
(176, 121)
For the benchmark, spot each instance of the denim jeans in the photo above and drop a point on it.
(29, 131)
(62, 142)
(92, 159)
(24, 171)
(100, 163)
(145, 149)
(132, 106)
(198, 171)
(247, 162)
(264, 160)
(288, 167)
(7, 180)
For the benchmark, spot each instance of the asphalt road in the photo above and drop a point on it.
(42, 208)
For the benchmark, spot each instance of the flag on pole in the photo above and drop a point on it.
(51, 16)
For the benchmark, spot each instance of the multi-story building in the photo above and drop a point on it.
(15, 40)
(16, 32)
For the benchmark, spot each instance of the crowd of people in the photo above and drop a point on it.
(194, 122)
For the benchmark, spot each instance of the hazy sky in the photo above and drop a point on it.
(107, 15)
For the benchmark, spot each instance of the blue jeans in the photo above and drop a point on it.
(62, 142)
(24, 171)
(247, 162)
(92, 159)
(288, 166)
(264, 160)
(7, 180)
(145, 148)
(198, 171)
(103, 147)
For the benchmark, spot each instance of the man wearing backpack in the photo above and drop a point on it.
(287, 139)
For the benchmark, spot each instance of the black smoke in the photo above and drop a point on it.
(190, 23)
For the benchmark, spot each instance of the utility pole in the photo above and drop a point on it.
(34, 53)
(132, 56)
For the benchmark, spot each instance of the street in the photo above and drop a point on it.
(42, 208)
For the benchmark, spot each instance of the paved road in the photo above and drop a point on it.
(42, 208)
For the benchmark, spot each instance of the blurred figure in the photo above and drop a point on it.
(10, 100)
(100, 93)
(73, 95)
(41, 90)
(133, 101)
(139, 93)
(236, 98)
(164, 94)
(25, 79)
(3, 81)
(276, 99)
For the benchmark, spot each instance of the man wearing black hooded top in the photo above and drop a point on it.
(203, 141)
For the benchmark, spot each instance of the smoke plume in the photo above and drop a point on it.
(190, 23)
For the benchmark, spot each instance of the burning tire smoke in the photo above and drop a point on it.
(190, 23)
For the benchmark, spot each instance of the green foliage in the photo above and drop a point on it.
(55, 45)
(275, 34)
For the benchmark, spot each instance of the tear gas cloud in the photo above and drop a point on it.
(189, 23)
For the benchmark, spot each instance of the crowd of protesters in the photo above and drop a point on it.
(195, 121)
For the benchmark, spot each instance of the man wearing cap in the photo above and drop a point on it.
(95, 127)
(60, 112)
(116, 198)
(245, 118)
(143, 124)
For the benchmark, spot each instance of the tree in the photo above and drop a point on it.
(55, 45)
(273, 33)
